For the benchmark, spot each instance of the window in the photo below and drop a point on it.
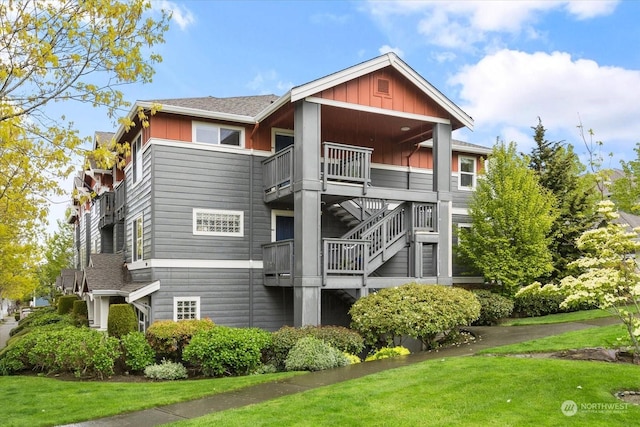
(466, 172)
(137, 239)
(185, 308)
(214, 134)
(212, 222)
(136, 158)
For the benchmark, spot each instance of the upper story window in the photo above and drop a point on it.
(213, 222)
(466, 172)
(208, 133)
(136, 158)
(137, 239)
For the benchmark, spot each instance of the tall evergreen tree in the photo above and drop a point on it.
(511, 216)
(560, 171)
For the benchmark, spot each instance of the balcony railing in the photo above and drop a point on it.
(278, 171)
(347, 163)
(107, 209)
(424, 217)
(121, 201)
(277, 258)
(345, 257)
(342, 163)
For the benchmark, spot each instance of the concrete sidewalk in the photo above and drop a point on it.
(6, 326)
(488, 337)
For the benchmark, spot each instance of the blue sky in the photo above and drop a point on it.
(505, 63)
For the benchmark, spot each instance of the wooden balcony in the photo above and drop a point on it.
(348, 262)
(121, 201)
(107, 209)
(343, 164)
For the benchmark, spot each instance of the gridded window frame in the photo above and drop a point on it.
(186, 308)
(462, 173)
(236, 230)
(218, 129)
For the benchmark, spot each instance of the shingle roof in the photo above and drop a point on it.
(239, 105)
(108, 272)
(67, 279)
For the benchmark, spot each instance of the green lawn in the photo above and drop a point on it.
(460, 391)
(39, 401)
(575, 316)
(613, 336)
(469, 391)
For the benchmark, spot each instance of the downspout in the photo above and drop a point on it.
(251, 213)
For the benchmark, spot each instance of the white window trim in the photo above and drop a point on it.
(195, 124)
(474, 174)
(196, 232)
(182, 299)
(134, 236)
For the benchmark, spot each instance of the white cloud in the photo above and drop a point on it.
(180, 14)
(267, 82)
(386, 49)
(464, 24)
(509, 89)
(329, 18)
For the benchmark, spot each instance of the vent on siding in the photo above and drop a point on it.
(382, 87)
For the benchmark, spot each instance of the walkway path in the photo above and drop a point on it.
(489, 337)
(5, 327)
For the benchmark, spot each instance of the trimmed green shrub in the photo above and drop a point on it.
(122, 320)
(65, 303)
(227, 351)
(413, 310)
(169, 338)
(493, 307)
(313, 354)
(136, 351)
(537, 300)
(343, 339)
(387, 353)
(40, 317)
(166, 370)
(80, 313)
(82, 351)
(352, 358)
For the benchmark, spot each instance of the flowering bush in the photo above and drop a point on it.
(166, 370)
(609, 271)
(538, 300)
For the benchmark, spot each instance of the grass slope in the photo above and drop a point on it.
(461, 391)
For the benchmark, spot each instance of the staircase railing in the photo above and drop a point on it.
(386, 232)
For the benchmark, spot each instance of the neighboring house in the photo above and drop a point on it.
(266, 211)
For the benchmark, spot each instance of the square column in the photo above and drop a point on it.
(307, 215)
(442, 185)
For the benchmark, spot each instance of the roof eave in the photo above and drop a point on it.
(279, 103)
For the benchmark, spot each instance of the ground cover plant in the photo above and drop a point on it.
(460, 391)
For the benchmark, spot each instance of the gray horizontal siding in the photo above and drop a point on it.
(230, 297)
(207, 180)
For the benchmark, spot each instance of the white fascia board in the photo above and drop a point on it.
(431, 91)
(143, 292)
(312, 88)
(195, 263)
(280, 102)
(458, 147)
(377, 110)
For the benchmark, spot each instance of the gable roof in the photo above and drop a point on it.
(238, 105)
(108, 274)
(388, 60)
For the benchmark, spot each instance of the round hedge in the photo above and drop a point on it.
(494, 307)
(122, 320)
(413, 310)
